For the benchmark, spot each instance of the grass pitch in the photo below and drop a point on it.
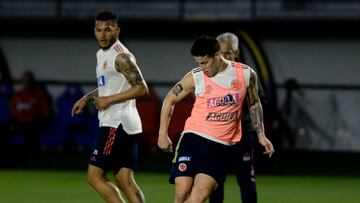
(33, 186)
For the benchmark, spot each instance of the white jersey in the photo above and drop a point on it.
(111, 82)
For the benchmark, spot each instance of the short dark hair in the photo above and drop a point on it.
(205, 46)
(106, 15)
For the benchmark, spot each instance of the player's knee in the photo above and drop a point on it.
(121, 182)
(201, 195)
(199, 198)
(201, 192)
(93, 179)
(182, 195)
(125, 181)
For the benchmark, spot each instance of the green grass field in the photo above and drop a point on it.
(29, 186)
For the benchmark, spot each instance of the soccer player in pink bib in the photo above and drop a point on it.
(202, 155)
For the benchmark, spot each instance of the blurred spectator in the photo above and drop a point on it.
(70, 126)
(5, 94)
(30, 111)
(148, 107)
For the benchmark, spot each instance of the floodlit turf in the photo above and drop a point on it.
(70, 187)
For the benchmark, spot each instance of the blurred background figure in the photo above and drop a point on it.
(243, 152)
(149, 107)
(30, 110)
(70, 126)
(5, 95)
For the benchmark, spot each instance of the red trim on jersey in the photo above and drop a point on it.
(109, 141)
(118, 49)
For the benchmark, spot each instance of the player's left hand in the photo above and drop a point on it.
(102, 103)
(269, 149)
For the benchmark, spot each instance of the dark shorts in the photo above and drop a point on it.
(195, 154)
(243, 151)
(114, 149)
(243, 157)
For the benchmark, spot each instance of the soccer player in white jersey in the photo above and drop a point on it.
(119, 83)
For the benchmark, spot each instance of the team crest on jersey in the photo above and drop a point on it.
(235, 85)
(101, 80)
(182, 167)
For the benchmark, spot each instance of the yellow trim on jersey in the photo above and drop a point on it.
(177, 148)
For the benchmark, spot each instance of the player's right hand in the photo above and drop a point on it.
(165, 143)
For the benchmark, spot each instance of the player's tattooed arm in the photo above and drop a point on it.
(254, 104)
(177, 89)
(256, 113)
(184, 87)
(125, 64)
(177, 93)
